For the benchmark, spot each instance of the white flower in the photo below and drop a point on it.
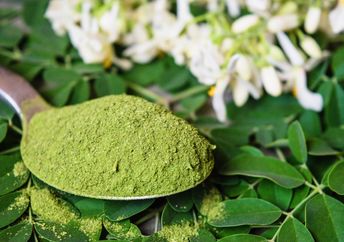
(244, 23)
(142, 52)
(218, 100)
(111, 24)
(306, 98)
(205, 63)
(311, 47)
(271, 81)
(258, 6)
(243, 68)
(283, 23)
(240, 93)
(213, 5)
(312, 19)
(293, 54)
(183, 11)
(336, 17)
(92, 47)
(233, 8)
(62, 14)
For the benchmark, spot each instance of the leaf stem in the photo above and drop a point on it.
(189, 92)
(147, 93)
(251, 186)
(290, 214)
(10, 150)
(14, 128)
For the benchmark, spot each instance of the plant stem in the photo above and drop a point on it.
(14, 128)
(250, 187)
(147, 93)
(189, 92)
(290, 214)
(10, 150)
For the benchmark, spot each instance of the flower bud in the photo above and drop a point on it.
(271, 82)
(240, 93)
(311, 47)
(283, 23)
(243, 69)
(336, 18)
(294, 55)
(312, 19)
(244, 23)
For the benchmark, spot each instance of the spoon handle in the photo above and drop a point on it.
(20, 95)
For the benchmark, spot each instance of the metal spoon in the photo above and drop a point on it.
(27, 102)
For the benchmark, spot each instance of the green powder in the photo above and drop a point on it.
(216, 212)
(116, 146)
(178, 232)
(50, 208)
(19, 169)
(210, 200)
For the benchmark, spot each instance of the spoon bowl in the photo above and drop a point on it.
(132, 153)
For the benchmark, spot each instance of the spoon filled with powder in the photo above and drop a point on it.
(116, 147)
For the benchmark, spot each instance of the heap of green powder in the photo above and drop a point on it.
(179, 232)
(116, 146)
(51, 208)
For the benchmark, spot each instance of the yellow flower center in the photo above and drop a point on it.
(211, 91)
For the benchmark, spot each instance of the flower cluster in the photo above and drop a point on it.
(244, 47)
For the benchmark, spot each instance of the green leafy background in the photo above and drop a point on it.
(279, 172)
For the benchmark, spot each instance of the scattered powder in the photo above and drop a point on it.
(19, 169)
(210, 200)
(20, 201)
(122, 229)
(216, 212)
(53, 209)
(179, 232)
(116, 146)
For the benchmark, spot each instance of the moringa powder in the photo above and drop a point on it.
(116, 146)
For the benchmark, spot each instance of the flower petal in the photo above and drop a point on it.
(271, 82)
(290, 50)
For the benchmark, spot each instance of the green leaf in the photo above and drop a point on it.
(192, 104)
(277, 171)
(13, 173)
(301, 192)
(203, 236)
(88, 207)
(294, 230)
(297, 142)
(244, 211)
(181, 202)
(122, 229)
(236, 190)
(334, 137)
(12, 206)
(3, 131)
(336, 178)
(108, 84)
(119, 210)
(33, 12)
(19, 232)
(60, 84)
(325, 218)
(146, 74)
(80, 93)
(223, 232)
(170, 216)
(337, 63)
(310, 123)
(57, 232)
(252, 150)
(6, 111)
(334, 111)
(10, 36)
(243, 238)
(319, 147)
(275, 194)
